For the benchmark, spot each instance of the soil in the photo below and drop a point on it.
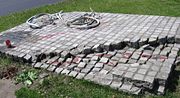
(8, 88)
(8, 73)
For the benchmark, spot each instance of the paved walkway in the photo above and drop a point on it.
(131, 53)
(11, 6)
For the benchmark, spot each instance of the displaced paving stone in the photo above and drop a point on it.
(73, 73)
(115, 85)
(95, 58)
(126, 87)
(103, 79)
(58, 70)
(45, 66)
(51, 68)
(161, 90)
(38, 65)
(149, 82)
(65, 71)
(139, 77)
(135, 90)
(128, 75)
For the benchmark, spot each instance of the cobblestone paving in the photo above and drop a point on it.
(130, 53)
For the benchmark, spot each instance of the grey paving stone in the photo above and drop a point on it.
(114, 58)
(126, 87)
(138, 77)
(27, 57)
(129, 75)
(130, 69)
(87, 50)
(86, 70)
(123, 60)
(161, 90)
(103, 71)
(136, 65)
(162, 76)
(65, 54)
(103, 79)
(58, 70)
(92, 62)
(131, 61)
(65, 71)
(107, 46)
(112, 63)
(38, 65)
(89, 76)
(104, 60)
(96, 69)
(108, 68)
(115, 85)
(152, 73)
(77, 60)
(86, 60)
(99, 65)
(118, 72)
(77, 69)
(80, 75)
(97, 48)
(51, 68)
(73, 73)
(81, 65)
(45, 66)
(95, 58)
(135, 90)
(149, 81)
(155, 68)
(71, 66)
(142, 71)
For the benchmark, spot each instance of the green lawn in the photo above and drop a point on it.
(148, 7)
(61, 86)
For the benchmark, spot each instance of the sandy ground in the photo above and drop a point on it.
(8, 88)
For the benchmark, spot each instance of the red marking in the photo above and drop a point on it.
(76, 60)
(145, 55)
(126, 55)
(110, 63)
(162, 58)
(55, 63)
(99, 55)
(49, 36)
(107, 55)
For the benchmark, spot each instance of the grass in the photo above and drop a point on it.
(63, 86)
(147, 7)
(60, 86)
(27, 93)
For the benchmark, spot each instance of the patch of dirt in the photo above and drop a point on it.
(8, 88)
(8, 73)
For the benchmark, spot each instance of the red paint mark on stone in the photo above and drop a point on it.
(76, 60)
(107, 55)
(50, 36)
(127, 55)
